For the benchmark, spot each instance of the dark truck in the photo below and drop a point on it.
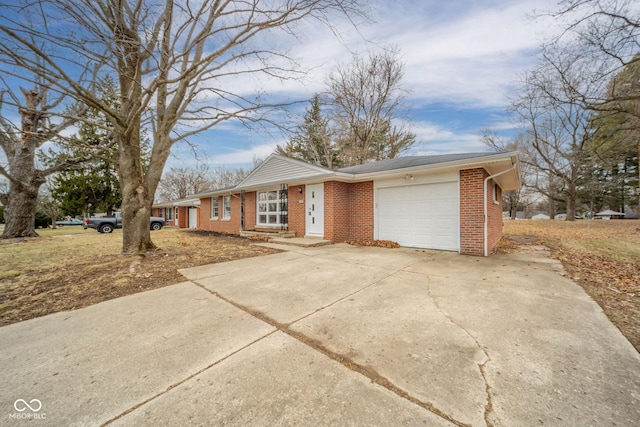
(108, 224)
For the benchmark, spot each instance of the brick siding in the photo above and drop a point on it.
(472, 212)
(348, 211)
(297, 209)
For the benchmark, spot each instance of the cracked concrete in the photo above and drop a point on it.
(333, 335)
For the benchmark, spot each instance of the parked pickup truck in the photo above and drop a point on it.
(108, 224)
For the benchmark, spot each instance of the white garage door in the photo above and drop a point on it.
(420, 216)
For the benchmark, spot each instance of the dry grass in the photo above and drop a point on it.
(70, 268)
(602, 256)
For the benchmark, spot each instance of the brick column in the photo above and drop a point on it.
(472, 211)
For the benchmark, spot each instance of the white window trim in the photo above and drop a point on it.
(211, 216)
(278, 201)
(224, 208)
(495, 193)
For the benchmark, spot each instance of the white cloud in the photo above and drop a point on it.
(435, 139)
(242, 157)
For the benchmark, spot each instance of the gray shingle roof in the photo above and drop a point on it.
(410, 161)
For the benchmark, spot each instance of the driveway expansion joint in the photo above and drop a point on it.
(184, 380)
(347, 362)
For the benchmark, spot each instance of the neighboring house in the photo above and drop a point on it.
(609, 214)
(449, 202)
(540, 216)
(183, 213)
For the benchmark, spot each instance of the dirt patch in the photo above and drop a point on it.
(64, 272)
(601, 256)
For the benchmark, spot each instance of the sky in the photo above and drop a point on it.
(461, 62)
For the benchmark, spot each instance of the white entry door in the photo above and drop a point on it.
(315, 210)
(193, 217)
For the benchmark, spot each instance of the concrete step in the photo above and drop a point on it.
(303, 242)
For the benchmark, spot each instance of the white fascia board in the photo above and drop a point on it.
(187, 202)
(502, 160)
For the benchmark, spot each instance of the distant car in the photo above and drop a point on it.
(70, 222)
(108, 224)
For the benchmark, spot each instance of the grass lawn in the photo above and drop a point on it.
(602, 256)
(70, 267)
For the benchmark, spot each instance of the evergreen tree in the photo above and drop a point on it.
(615, 144)
(94, 186)
(312, 142)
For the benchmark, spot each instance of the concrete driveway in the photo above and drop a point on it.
(335, 335)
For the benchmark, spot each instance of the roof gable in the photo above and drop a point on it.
(278, 169)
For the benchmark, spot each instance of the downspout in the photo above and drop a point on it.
(486, 215)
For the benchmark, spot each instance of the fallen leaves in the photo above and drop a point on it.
(374, 243)
(65, 274)
(601, 256)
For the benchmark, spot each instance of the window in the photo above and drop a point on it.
(214, 208)
(496, 191)
(272, 208)
(169, 213)
(160, 212)
(226, 207)
(177, 213)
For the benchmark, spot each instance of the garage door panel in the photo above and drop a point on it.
(424, 216)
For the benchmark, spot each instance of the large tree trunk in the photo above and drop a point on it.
(20, 212)
(136, 198)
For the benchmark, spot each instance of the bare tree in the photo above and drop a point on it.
(226, 177)
(513, 199)
(556, 121)
(367, 98)
(20, 145)
(609, 32)
(180, 183)
(177, 65)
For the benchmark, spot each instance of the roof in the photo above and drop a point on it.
(609, 212)
(409, 162)
(277, 169)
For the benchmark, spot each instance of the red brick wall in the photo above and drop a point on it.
(361, 203)
(348, 211)
(183, 217)
(472, 213)
(249, 210)
(297, 210)
(336, 211)
(229, 226)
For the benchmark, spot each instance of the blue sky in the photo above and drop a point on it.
(461, 61)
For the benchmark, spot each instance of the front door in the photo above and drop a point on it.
(315, 210)
(193, 217)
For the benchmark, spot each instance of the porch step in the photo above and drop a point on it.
(302, 242)
(283, 234)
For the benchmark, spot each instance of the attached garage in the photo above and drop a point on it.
(419, 216)
(447, 202)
